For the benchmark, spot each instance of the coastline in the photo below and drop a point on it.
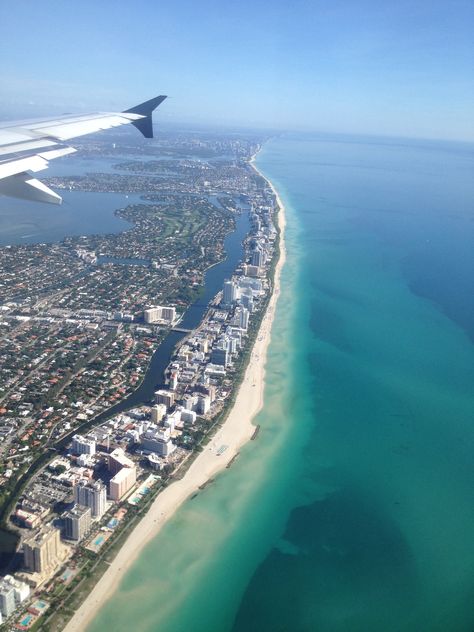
(236, 431)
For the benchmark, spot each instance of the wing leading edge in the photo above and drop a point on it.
(30, 145)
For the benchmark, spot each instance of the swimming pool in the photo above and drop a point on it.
(26, 620)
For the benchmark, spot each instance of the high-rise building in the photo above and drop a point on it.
(7, 599)
(168, 313)
(93, 495)
(244, 318)
(231, 345)
(252, 271)
(257, 258)
(157, 413)
(42, 550)
(118, 460)
(189, 402)
(229, 295)
(124, 471)
(77, 522)
(207, 389)
(246, 299)
(220, 356)
(122, 482)
(188, 416)
(165, 397)
(234, 332)
(158, 441)
(203, 345)
(203, 404)
(252, 284)
(159, 313)
(174, 380)
(152, 315)
(20, 589)
(83, 445)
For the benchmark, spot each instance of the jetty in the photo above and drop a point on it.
(255, 433)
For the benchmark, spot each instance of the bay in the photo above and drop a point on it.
(81, 213)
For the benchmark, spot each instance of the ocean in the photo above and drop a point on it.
(353, 511)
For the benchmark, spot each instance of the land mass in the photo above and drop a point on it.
(236, 430)
(37, 489)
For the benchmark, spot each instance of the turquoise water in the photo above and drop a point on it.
(353, 511)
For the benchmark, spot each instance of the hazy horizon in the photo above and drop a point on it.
(393, 69)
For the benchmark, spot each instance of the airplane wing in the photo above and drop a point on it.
(28, 146)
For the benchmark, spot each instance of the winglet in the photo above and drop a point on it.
(145, 125)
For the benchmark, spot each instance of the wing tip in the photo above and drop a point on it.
(145, 109)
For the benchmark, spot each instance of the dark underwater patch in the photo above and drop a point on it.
(344, 566)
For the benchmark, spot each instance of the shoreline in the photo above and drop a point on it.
(237, 430)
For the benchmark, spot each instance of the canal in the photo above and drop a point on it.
(213, 282)
(154, 376)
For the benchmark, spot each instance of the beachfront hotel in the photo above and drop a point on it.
(42, 550)
(93, 495)
(77, 522)
(125, 474)
(122, 482)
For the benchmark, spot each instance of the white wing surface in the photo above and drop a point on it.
(28, 146)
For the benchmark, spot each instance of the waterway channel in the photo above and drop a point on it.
(213, 281)
(155, 374)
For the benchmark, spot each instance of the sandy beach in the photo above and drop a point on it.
(237, 430)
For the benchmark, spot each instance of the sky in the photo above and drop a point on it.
(390, 67)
